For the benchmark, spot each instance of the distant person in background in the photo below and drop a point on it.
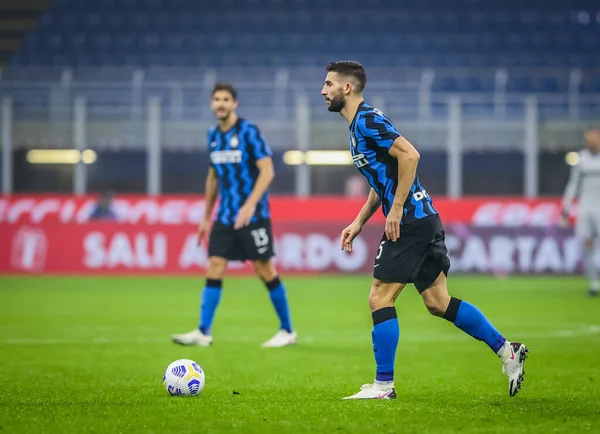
(240, 172)
(584, 183)
(103, 209)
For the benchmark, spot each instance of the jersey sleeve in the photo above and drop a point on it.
(258, 144)
(378, 128)
(209, 140)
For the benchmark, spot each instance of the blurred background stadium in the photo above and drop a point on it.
(493, 95)
(113, 95)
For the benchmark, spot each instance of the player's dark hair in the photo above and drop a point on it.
(351, 69)
(226, 87)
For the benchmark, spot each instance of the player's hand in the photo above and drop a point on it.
(244, 216)
(203, 230)
(392, 224)
(348, 236)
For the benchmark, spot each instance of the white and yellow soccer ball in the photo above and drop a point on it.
(184, 377)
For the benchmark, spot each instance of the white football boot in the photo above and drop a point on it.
(281, 339)
(195, 337)
(375, 390)
(513, 366)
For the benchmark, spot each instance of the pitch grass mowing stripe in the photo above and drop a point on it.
(585, 331)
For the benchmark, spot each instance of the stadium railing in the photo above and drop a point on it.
(72, 109)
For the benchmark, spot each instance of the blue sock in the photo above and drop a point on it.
(211, 295)
(472, 321)
(385, 335)
(280, 303)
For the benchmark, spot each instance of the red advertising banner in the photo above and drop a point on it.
(178, 210)
(301, 248)
(116, 248)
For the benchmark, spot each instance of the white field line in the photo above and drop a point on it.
(589, 330)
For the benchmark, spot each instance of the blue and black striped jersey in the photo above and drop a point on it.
(233, 155)
(371, 136)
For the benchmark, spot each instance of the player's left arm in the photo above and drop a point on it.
(266, 173)
(572, 191)
(384, 133)
(408, 159)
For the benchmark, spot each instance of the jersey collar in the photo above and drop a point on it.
(358, 110)
(233, 128)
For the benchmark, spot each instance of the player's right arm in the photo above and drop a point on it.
(369, 208)
(571, 192)
(210, 198)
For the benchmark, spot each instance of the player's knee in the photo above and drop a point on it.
(376, 301)
(382, 295)
(216, 267)
(436, 302)
(436, 297)
(265, 270)
(589, 243)
(436, 307)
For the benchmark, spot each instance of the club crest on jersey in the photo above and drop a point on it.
(213, 144)
(234, 141)
(354, 141)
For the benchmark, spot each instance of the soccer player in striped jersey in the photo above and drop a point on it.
(584, 183)
(241, 170)
(412, 248)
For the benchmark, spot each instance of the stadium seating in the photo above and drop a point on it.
(180, 39)
(454, 33)
(17, 19)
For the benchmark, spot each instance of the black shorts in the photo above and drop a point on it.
(252, 242)
(418, 256)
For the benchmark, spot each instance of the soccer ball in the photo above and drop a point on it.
(184, 377)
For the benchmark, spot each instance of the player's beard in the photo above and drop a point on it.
(336, 104)
(224, 116)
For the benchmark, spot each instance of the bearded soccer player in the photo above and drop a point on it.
(584, 182)
(241, 170)
(412, 248)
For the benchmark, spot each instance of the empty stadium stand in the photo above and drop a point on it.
(17, 19)
(387, 33)
(542, 47)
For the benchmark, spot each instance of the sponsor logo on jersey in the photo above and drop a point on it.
(420, 195)
(360, 160)
(224, 157)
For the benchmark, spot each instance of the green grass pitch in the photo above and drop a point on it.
(82, 355)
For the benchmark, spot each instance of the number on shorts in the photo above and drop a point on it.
(261, 238)
(380, 250)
